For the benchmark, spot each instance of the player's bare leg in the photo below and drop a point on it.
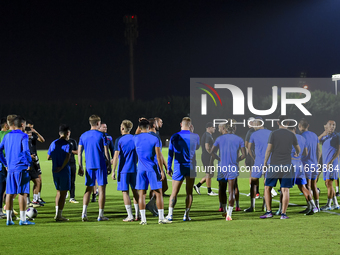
(141, 202)
(101, 202)
(59, 205)
(222, 193)
(315, 193)
(231, 199)
(285, 199)
(86, 200)
(189, 198)
(176, 185)
(331, 196)
(135, 203)
(127, 203)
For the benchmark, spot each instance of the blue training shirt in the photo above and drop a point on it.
(93, 142)
(259, 138)
(184, 145)
(58, 150)
(145, 145)
(312, 143)
(302, 143)
(127, 154)
(18, 156)
(329, 147)
(228, 145)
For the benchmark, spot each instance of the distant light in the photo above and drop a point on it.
(76, 104)
(168, 102)
(305, 86)
(132, 17)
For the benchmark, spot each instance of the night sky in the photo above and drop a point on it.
(76, 49)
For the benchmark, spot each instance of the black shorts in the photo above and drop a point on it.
(249, 161)
(34, 172)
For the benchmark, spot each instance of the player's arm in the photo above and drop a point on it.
(67, 158)
(243, 154)
(249, 150)
(170, 158)
(80, 160)
(40, 137)
(335, 155)
(323, 134)
(160, 162)
(297, 150)
(26, 151)
(114, 164)
(111, 148)
(267, 154)
(49, 157)
(207, 147)
(75, 152)
(305, 152)
(108, 161)
(2, 156)
(213, 153)
(319, 152)
(164, 162)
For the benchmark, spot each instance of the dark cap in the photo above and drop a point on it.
(209, 124)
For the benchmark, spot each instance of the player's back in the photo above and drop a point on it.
(58, 151)
(260, 139)
(229, 145)
(145, 145)
(184, 144)
(127, 154)
(17, 150)
(312, 147)
(301, 141)
(93, 142)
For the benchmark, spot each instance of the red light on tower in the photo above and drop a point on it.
(132, 17)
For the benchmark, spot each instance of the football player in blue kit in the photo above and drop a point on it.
(18, 161)
(258, 139)
(127, 169)
(330, 167)
(229, 146)
(148, 172)
(183, 146)
(60, 152)
(97, 165)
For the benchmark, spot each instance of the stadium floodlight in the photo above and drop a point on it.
(131, 35)
(336, 77)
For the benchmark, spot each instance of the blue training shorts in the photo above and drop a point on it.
(144, 178)
(18, 182)
(93, 175)
(126, 180)
(286, 178)
(62, 180)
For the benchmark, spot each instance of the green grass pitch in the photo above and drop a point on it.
(207, 233)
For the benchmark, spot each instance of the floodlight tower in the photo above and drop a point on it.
(131, 35)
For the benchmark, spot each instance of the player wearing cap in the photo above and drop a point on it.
(207, 142)
(183, 145)
(310, 161)
(127, 170)
(280, 144)
(330, 153)
(60, 152)
(258, 140)
(18, 161)
(229, 145)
